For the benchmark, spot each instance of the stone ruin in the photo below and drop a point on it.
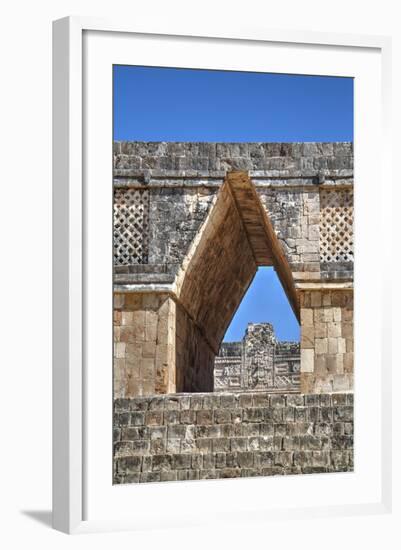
(192, 224)
(258, 362)
(194, 221)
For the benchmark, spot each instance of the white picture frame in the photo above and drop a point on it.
(73, 215)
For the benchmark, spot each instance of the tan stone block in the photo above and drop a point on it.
(151, 301)
(117, 317)
(119, 350)
(307, 360)
(347, 314)
(342, 345)
(133, 387)
(321, 346)
(147, 368)
(149, 349)
(332, 345)
(133, 371)
(306, 301)
(127, 334)
(138, 317)
(341, 382)
(118, 300)
(341, 298)
(133, 352)
(319, 315)
(307, 382)
(307, 337)
(127, 318)
(138, 333)
(349, 300)
(349, 344)
(337, 314)
(347, 329)
(119, 389)
(133, 301)
(316, 299)
(331, 363)
(161, 354)
(148, 387)
(320, 330)
(119, 368)
(328, 314)
(348, 362)
(151, 329)
(116, 334)
(307, 317)
(339, 363)
(326, 299)
(320, 365)
(164, 307)
(334, 330)
(323, 385)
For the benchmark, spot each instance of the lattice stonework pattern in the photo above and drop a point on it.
(336, 225)
(131, 226)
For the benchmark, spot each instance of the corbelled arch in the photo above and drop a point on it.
(235, 239)
(297, 216)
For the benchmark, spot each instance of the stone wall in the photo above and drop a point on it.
(258, 362)
(182, 231)
(158, 159)
(144, 344)
(205, 436)
(327, 341)
(194, 356)
(182, 178)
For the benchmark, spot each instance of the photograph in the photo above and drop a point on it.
(233, 256)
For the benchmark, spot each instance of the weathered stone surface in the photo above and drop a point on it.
(326, 365)
(258, 362)
(212, 446)
(183, 235)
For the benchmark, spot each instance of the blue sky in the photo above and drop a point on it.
(161, 104)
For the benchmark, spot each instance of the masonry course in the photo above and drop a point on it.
(213, 436)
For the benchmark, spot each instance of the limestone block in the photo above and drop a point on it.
(127, 318)
(348, 362)
(118, 300)
(341, 345)
(337, 314)
(321, 346)
(307, 337)
(307, 360)
(328, 314)
(320, 329)
(334, 330)
(333, 345)
(316, 299)
(307, 317)
(342, 382)
(326, 298)
(119, 350)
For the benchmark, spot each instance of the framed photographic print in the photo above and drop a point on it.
(215, 321)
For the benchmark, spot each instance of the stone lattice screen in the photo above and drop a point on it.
(131, 226)
(336, 225)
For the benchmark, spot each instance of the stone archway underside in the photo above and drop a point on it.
(235, 239)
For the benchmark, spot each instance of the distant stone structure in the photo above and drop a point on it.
(258, 362)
